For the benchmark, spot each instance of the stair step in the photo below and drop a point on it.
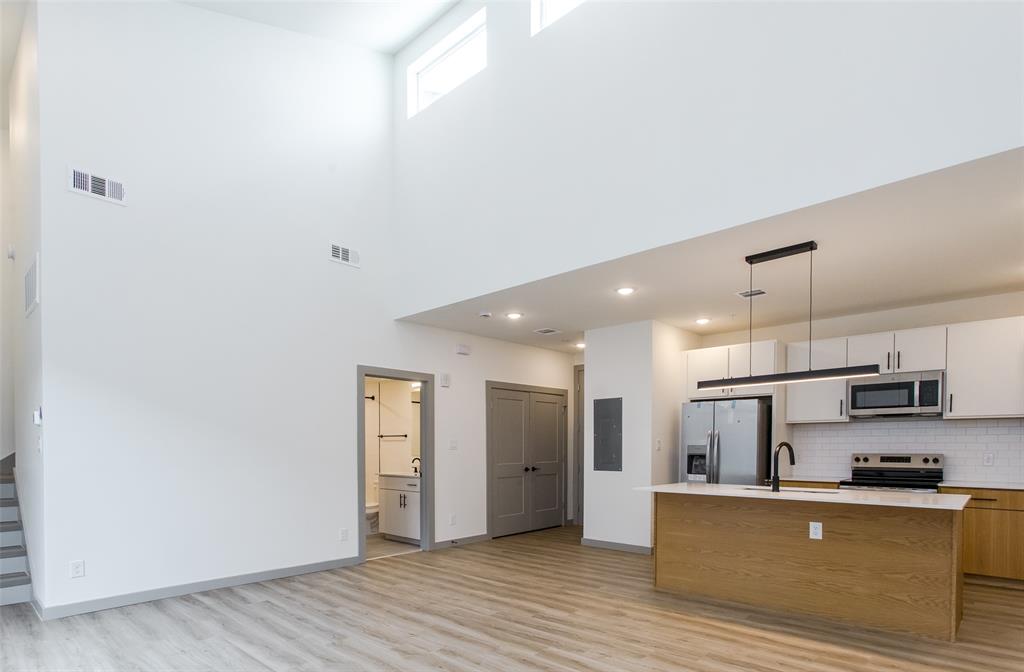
(14, 579)
(10, 526)
(12, 551)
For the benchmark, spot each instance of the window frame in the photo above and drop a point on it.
(437, 54)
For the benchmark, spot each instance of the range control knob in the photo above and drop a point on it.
(867, 459)
(935, 460)
(856, 459)
(926, 460)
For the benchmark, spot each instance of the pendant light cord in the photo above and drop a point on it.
(750, 324)
(810, 308)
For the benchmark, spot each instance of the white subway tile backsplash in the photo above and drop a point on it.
(824, 450)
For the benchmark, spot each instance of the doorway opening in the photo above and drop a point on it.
(396, 451)
(527, 430)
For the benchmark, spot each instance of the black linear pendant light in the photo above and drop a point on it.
(790, 376)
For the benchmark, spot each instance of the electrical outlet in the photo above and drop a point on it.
(451, 519)
(76, 569)
(453, 445)
(344, 534)
(815, 531)
(988, 459)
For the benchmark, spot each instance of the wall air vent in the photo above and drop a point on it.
(546, 331)
(750, 293)
(344, 255)
(87, 184)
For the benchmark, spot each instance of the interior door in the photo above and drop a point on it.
(737, 449)
(509, 435)
(546, 461)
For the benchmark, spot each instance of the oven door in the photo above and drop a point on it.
(887, 395)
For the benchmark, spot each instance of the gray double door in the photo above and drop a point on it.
(526, 450)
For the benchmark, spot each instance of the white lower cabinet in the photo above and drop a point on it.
(823, 400)
(400, 508)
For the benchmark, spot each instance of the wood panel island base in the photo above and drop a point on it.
(886, 560)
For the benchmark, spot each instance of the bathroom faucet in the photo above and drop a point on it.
(775, 463)
(415, 469)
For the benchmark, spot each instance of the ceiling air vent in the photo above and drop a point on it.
(344, 255)
(546, 331)
(750, 293)
(87, 184)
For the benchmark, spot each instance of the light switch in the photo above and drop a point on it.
(453, 445)
(446, 380)
(815, 530)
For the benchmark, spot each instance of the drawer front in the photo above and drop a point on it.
(1008, 500)
(401, 483)
(994, 543)
(822, 485)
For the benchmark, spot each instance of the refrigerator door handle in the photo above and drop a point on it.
(718, 453)
(707, 459)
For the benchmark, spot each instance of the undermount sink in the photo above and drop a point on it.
(765, 488)
(401, 475)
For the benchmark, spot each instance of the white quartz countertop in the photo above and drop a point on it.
(910, 500)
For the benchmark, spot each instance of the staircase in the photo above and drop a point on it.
(15, 582)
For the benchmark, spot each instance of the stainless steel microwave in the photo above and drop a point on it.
(897, 394)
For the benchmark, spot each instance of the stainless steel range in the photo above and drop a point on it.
(895, 471)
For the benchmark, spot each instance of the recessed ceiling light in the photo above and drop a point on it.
(625, 291)
(581, 345)
(703, 320)
(513, 316)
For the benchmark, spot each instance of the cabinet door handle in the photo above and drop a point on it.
(841, 407)
(533, 468)
(984, 499)
(526, 468)
(899, 356)
(888, 361)
(950, 402)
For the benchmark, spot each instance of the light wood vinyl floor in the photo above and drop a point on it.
(537, 601)
(379, 547)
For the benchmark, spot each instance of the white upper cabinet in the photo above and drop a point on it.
(985, 369)
(872, 349)
(900, 351)
(920, 349)
(819, 401)
(706, 364)
(729, 361)
(763, 365)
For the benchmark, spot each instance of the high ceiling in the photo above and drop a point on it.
(381, 25)
(954, 233)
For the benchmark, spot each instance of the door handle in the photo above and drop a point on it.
(708, 457)
(718, 454)
(533, 468)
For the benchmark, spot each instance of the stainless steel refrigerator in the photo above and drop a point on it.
(726, 441)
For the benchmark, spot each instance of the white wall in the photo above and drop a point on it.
(618, 364)
(629, 125)
(669, 392)
(910, 317)
(23, 228)
(200, 352)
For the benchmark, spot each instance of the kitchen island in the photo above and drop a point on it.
(887, 560)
